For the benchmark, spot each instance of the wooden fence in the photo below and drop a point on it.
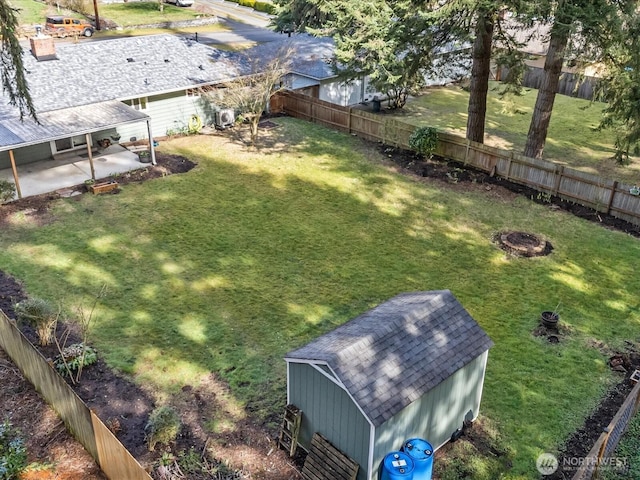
(113, 458)
(600, 456)
(571, 84)
(606, 196)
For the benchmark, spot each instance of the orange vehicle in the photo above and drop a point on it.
(67, 26)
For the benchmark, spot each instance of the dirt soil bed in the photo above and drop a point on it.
(251, 446)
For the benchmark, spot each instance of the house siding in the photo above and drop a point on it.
(437, 414)
(342, 93)
(328, 409)
(169, 113)
(23, 156)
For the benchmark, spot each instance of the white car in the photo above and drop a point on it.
(181, 3)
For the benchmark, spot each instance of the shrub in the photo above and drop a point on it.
(13, 454)
(162, 427)
(267, 7)
(7, 190)
(40, 315)
(424, 140)
(247, 3)
(74, 358)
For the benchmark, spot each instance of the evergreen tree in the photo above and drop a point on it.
(621, 90)
(581, 30)
(14, 81)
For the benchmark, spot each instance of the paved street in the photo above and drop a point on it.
(239, 32)
(233, 11)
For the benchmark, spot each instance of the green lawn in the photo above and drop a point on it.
(573, 138)
(126, 15)
(255, 252)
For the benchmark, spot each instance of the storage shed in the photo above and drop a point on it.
(412, 367)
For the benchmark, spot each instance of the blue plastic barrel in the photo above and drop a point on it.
(421, 452)
(397, 466)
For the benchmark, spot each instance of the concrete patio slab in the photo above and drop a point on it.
(52, 175)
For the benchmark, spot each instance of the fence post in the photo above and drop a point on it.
(613, 193)
(349, 120)
(603, 447)
(509, 161)
(559, 172)
(466, 152)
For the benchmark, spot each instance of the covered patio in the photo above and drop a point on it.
(75, 166)
(62, 173)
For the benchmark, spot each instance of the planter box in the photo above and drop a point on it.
(103, 187)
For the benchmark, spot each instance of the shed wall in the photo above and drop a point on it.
(437, 414)
(328, 409)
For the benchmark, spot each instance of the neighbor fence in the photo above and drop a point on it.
(113, 458)
(600, 456)
(605, 196)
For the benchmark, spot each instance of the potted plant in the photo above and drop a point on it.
(550, 318)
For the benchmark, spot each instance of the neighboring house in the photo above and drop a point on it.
(312, 72)
(127, 89)
(413, 367)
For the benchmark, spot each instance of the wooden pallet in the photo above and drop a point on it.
(326, 462)
(290, 429)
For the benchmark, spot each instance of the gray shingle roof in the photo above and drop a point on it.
(95, 71)
(311, 55)
(393, 354)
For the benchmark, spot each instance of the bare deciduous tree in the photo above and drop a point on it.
(249, 95)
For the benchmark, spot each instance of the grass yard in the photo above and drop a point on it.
(253, 253)
(572, 140)
(126, 15)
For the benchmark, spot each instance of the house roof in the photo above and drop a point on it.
(96, 71)
(65, 123)
(395, 353)
(311, 56)
(70, 91)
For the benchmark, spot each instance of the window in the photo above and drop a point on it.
(137, 103)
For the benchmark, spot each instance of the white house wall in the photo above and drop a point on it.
(25, 155)
(342, 93)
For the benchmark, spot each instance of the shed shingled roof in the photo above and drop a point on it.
(395, 353)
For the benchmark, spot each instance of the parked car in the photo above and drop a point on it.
(180, 3)
(67, 26)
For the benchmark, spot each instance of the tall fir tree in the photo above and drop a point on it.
(580, 30)
(14, 81)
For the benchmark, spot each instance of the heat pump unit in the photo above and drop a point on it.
(225, 118)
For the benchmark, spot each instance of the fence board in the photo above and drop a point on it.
(601, 194)
(105, 448)
(608, 441)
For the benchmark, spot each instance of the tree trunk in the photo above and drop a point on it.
(546, 94)
(480, 69)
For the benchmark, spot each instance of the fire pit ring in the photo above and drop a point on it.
(524, 244)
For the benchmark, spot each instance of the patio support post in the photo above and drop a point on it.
(93, 170)
(15, 173)
(152, 149)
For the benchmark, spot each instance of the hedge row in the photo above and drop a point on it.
(258, 5)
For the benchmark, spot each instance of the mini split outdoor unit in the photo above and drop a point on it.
(225, 118)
